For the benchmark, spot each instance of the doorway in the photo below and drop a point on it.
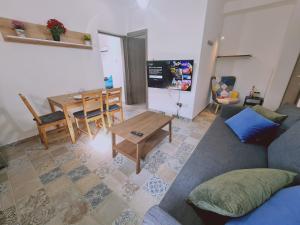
(292, 93)
(113, 64)
(124, 59)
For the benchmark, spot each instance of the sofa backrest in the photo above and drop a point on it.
(293, 114)
(284, 152)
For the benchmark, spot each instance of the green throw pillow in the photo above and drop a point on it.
(269, 114)
(238, 192)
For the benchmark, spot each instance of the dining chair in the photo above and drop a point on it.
(45, 122)
(93, 111)
(113, 104)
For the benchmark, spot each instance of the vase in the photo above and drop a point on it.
(55, 36)
(20, 33)
(88, 42)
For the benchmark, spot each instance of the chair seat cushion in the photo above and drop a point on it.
(282, 208)
(113, 107)
(52, 117)
(80, 114)
(228, 101)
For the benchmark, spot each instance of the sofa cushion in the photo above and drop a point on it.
(228, 111)
(218, 152)
(269, 114)
(157, 216)
(284, 152)
(282, 208)
(248, 125)
(238, 192)
(293, 114)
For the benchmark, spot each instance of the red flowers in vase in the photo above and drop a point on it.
(56, 28)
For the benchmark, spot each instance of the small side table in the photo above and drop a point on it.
(252, 101)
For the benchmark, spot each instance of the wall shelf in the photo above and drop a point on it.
(39, 35)
(37, 41)
(234, 56)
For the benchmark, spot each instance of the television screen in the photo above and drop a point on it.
(170, 74)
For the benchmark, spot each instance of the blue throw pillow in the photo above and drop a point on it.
(248, 124)
(281, 209)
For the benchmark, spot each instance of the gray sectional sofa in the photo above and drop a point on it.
(221, 151)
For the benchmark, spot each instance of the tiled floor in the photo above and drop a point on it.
(81, 184)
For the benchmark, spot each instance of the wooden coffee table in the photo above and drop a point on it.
(135, 147)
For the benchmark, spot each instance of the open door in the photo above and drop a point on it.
(136, 84)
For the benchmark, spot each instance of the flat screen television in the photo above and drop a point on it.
(170, 74)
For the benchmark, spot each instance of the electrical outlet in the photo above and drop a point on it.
(179, 104)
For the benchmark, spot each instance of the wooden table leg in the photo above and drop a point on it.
(70, 125)
(138, 159)
(170, 131)
(113, 143)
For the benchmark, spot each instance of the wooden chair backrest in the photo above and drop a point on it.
(114, 97)
(30, 108)
(91, 101)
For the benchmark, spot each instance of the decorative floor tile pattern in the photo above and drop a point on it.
(82, 184)
(156, 186)
(127, 217)
(78, 173)
(50, 176)
(97, 194)
(8, 216)
(36, 209)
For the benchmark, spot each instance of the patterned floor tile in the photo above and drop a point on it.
(110, 209)
(97, 194)
(154, 160)
(70, 206)
(78, 173)
(6, 195)
(43, 164)
(127, 217)
(50, 176)
(8, 216)
(183, 152)
(103, 170)
(129, 189)
(38, 184)
(156, 187)
(36, 209)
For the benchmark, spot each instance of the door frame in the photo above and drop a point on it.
(138, 33)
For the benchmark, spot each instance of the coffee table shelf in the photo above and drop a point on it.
(129, 149)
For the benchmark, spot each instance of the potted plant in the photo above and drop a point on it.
(87, 39)
(19, 27)
(56, 28)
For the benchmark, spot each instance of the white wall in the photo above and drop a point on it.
(212, 31)
(174, 32)
(113, 59)
(255, 30)
(289, 53)
(42, 71)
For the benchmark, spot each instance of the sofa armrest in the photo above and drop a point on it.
(157, 216)
(228, 111)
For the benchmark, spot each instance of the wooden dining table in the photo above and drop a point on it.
(67, 102)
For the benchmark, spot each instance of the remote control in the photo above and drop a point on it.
(137, 133)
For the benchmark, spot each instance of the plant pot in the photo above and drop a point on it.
(20, 33)
(88, 42)
(55, 36)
